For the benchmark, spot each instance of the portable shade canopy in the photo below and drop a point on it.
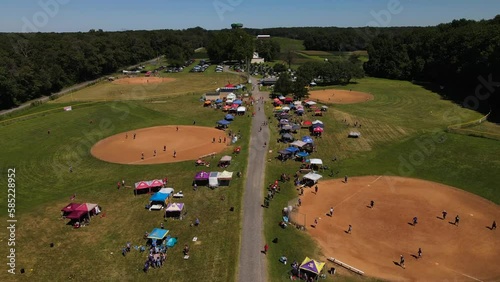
(317, 122)
(83, 209)
(159, 198)
(69, 208)
(156, 183)
(237, 102)
(298, 143)
(285, 108)
(310, 103)
(318, 129)
(285, 152)
(288, 100)
(218, 101)
(158, 234)
(226, 108)
(231, 96)
(213, 179)
(295, 127)
(302, 154)
(202, 175)
(287, 137)
(292, 149)
(225, 161)
(174, 210)
(312, 266)
(286, 127)
(316, 164)
(167, 190)
(241, 109)
(225, 177)
(307, 139)
(229, 117)
(284, 121)
(313, 177)
(307, 123)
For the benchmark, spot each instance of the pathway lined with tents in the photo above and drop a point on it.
(252, 263)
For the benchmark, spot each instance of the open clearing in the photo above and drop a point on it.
(337, 96)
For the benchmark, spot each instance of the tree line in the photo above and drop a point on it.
(462, 58)
(33, 65)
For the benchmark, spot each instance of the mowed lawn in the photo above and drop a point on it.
(45, 185)
(185, 82)
(403, 132)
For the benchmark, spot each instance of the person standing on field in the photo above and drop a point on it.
(444, 214)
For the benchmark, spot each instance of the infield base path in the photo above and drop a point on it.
(335, 96)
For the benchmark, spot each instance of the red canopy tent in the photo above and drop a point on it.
(229, 85)
(70, 207)
(156, 183)
(76, 214)
(288, 100)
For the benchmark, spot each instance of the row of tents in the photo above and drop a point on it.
(149, 186)
(213, 179)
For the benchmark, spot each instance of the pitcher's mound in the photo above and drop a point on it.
(464, 252)
(335, 96)
(142, 80)
(189, 143)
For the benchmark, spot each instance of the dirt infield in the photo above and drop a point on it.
(189, 143)
(142, 80)
(465, 252)
(335, 96)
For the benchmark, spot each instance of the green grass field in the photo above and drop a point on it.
(403, 133)
(185, 82)
(44, 186)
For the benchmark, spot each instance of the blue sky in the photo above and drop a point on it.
(111, 15)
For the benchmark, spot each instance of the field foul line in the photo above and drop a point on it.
(361, 190)
(463, 274)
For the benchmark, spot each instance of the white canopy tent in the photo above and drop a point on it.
(213, 180)
(241, 109)
(313, 176)
(317, 121)
(225, 177)
(316, 161)
(310, 103)
(298, 143)
(231, 96)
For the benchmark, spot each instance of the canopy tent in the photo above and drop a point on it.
(156, 183)
(281, 97)
(287, 137)
(284, 121)
(285, 108)
(292, 149)
(70, 207)
(237, 102)
(213, 180)
(286, 127)
(174, 210)
(218, 100)
(225, 175)
(158, 234)
(307, 123)
(86, 207)
(354, 134)
(229, 117)
(223, 122)
(159, 198)
(313, 176)
(142, 185)
(318, 129)
(225, 161)
(234, 106)
(288, 100)
(231, 96)
(316, 161)
(324, 107)
(76, 214)
(295, 127)
(317, 121)
(298, 143)
(229, 101)
(226, 108)
(284, 152)
(312, 266)
(174, 207)
(241, 109)
(302, 154)
(202, 175)
(310, 103)
(297, 103)
(166, 190)
(307, 139)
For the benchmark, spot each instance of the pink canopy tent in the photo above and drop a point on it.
(142, 185)
(70, 207)
(156, 183)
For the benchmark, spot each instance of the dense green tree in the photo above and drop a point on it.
(284, 84)
(267, 49)
(233, 44)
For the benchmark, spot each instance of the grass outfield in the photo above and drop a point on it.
(403, 133)
(185, 82)
(289, 44)
(44, 186)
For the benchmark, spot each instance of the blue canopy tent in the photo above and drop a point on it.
(302, 154)
(218, 101)
(229, 117)
(223, 122)
(159, 197)
(292, 149)
(158, 234)
(238, 102)
(307, 139)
